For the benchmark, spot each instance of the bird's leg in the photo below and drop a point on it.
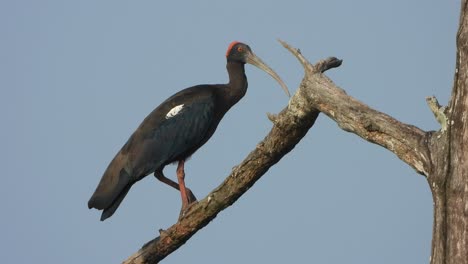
(160, 176)
(183, 190)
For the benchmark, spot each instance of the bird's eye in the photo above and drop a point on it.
(240, 49)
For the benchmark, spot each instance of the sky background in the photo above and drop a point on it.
(78, 77)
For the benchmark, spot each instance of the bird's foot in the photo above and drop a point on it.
(185, 209)
(190, 197)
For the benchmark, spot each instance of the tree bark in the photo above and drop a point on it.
(441, 156)
(449, 177)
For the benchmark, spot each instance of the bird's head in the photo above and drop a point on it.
(240, 52)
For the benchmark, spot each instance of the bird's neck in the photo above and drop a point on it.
(237, 86)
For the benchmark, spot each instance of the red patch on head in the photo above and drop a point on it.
(230, 47)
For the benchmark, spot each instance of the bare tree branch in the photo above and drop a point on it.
(406, 141)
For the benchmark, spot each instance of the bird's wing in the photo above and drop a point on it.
(180, 131)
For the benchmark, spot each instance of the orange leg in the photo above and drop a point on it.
(160, 176)
(183, 190)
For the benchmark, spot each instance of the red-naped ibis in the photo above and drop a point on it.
(174, 131)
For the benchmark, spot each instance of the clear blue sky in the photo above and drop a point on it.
(77, 77)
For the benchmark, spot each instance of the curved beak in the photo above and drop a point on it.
(256, 61)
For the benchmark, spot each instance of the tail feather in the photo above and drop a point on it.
(114, 185)
(108, 212)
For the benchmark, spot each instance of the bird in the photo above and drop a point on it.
(173, 131)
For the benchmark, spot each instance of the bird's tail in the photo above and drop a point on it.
(108, 212)
(114, 185)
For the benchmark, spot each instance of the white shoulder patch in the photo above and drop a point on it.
(174, 111)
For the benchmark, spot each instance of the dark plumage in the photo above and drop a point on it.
(173, 132)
